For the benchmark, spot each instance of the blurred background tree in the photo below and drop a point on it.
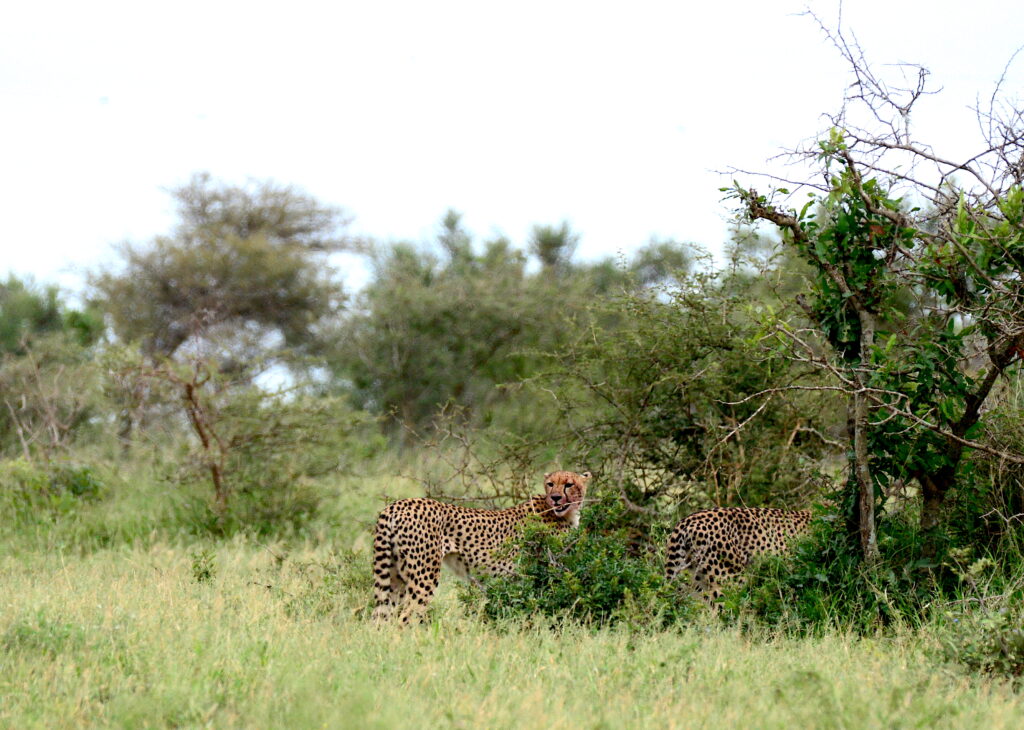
(247, 265)
(48, 385)
(29, 311)
(451, 323)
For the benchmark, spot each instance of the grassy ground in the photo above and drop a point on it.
(131, 638)
(110, 619)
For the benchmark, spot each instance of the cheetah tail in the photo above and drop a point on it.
(383, 564)
(676, 554)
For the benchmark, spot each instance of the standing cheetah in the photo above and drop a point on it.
(415, 537)
(716, 544)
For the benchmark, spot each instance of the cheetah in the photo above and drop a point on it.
(716, 544)
(415, 537)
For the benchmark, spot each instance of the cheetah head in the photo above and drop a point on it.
(564, 492)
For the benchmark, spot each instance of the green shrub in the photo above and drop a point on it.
(663, 388)
(342, 581)
(271, 449)
(32, 493)
(985, 509)
(204, 565)
(587, 575)
(990, 642)
(269, 507)
(822, 581)
(41, 635)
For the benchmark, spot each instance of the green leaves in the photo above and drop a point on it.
(907, 300)
(28, 312)
(587, 575)
(661, 390)
(950, 409)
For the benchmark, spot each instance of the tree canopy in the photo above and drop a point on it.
(244, 263)
(452, 323)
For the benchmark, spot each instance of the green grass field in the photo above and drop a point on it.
(171, 633)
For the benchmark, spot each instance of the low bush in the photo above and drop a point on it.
(271, 451)
(591, 575)
(31, 493)
(823, 583)
(988, 642)
(204, 565)
(986, 508)
(40, 635)
(340, 581)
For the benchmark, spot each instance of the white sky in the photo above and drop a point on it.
(612, 116)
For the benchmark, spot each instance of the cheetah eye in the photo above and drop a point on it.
(569, 485)
(550, 484)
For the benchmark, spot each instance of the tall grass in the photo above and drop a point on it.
(117, 614)
(139, 505)
(276, 637)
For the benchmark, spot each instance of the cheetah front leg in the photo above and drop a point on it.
(457, 565)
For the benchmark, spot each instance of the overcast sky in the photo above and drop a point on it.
(612, 116)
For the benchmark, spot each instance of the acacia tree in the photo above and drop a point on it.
(244, 275)
(658, 401)
(248, 261)
(29, 312)
(453, 322)
(918, 289)
(554, 246)
(256, 448)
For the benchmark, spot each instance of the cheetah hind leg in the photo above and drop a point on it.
(706, 582)
(678, 556)
(389, 587)
(421, 586)
(395, 596)
(696, 564)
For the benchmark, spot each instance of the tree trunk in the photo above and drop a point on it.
(862, 468)
(213, 447)
(932, 495)
(865, 483)
(125, 430)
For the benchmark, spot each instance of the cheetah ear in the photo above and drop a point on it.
(586, 475)
(548, 475)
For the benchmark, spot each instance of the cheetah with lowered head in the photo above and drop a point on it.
(716, 544)
(415, 537)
